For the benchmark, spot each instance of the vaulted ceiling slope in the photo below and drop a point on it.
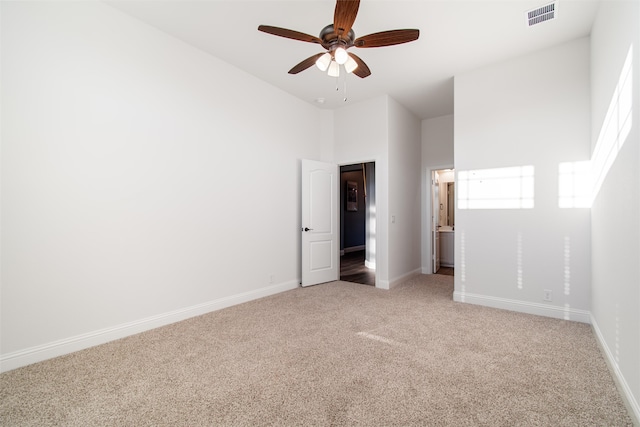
(455, 36)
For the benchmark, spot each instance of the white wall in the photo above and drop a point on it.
(437, 141)
(404, 193)
(138, 175)
(361, 135)
(437, 153)
(383, 131)
(615, 302)
(532, 110)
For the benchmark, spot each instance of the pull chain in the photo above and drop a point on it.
(345, 87)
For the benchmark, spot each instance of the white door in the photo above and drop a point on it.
(435, 215)
(319, 222)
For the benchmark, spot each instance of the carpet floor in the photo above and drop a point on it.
(333, 354)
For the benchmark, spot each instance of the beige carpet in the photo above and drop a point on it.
(333, 354)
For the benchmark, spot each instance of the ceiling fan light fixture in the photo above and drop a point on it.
(334, 69)
(341, 56)
(323, 62)
(337, 37)
(350, 65)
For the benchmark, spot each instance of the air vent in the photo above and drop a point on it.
(541, 14)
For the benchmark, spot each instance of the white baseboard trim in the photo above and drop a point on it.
(80, 342)
(566, 313)
(404, 277)
(382, 284)
(371, 265)
(625, 391)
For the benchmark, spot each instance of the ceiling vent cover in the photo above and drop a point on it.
(541, 14)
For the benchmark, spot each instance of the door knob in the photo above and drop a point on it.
(307, 229)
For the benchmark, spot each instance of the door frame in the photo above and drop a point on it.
(340, 212)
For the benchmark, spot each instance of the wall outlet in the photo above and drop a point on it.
(547, 295)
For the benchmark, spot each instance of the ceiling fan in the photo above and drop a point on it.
(336, 38)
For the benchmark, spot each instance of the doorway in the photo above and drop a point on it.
(357, 223)
(443, 221)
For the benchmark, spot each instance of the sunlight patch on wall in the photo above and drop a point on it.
(567, 265)
(575, 184)
(463, 264)
(579, 182)
(500, 188)
(370, 232)
(617, 124)
(519, 260)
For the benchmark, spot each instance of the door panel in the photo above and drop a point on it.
(435, 214)
(319, 222)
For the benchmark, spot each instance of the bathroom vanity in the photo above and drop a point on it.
(447, 237)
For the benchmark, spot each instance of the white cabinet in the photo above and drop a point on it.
(446, 248)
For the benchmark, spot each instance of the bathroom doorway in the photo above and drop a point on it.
(443, 221)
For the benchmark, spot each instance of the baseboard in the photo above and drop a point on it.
(382, 284)
(80, 342)
(556, 312)
(625, 391)
(371, 265)
(404, 277)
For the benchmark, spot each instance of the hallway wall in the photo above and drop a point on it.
(352, 223)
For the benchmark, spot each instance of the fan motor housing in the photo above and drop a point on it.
(332, 41)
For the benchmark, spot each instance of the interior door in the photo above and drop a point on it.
(319, 222)
(435, 216)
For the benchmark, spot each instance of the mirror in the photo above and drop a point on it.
(451, 203)
(446, 198)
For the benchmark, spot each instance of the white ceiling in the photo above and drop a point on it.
(455, 36)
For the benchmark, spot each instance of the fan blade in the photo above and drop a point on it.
(344, 16)
(363, 70)
(387, 38)
(290, 34)
(306, 63)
